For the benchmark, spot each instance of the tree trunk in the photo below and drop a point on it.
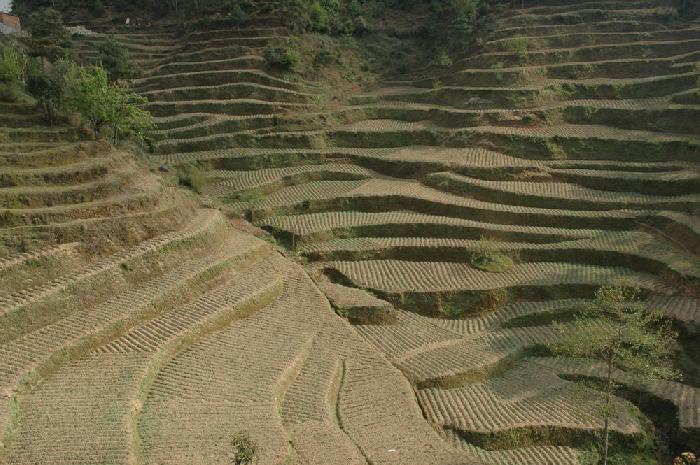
(606, 414)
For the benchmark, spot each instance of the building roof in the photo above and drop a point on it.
(8, 18)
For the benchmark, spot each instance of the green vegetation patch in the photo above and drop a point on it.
(244, 448)
(192, 176)
(486, 258)
(518, 46)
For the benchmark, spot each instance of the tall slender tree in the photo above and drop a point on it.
(619, 330)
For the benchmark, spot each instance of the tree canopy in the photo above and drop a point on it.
(49, 38)
(100, 103)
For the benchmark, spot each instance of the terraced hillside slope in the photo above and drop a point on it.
(565, 153)
(135, 328)
(435, 226)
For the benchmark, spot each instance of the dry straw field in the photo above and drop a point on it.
(428, 234)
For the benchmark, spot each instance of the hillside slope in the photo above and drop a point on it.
(566, 150)
(136, 328)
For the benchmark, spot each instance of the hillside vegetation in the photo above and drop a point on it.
(352, 232)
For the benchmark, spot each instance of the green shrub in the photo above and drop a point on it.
(518, 46)
(13, 64)
(448, 307)
(487, 259)
(281, 56)
(444, 60)
(493, 262)
(555, 151)
(192, 176)
(244, 449)
(320, 20)
(493, 300)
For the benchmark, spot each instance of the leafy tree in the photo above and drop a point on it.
(50, 39)
(114, 58)
(622, 332)
(125, 115)
(87, 90)
(46, 83)
(100, 103)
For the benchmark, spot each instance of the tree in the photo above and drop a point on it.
(49, 39)
(114, 58)
(103, 104)
(125, 115)
(46, 83)
(622, 332)
(87, 90)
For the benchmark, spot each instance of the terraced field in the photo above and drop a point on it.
(145, 334)
(577, 159)
(148, 336)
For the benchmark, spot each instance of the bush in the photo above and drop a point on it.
(283, 56)
(444, 60)
(244, 449)
(555, 151)
(493, 300)
(192, 176)
(487, 259)
(320, 20)
(517, 46)
(13, 64)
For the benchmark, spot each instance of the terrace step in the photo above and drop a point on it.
(522, 397)
(397, 277)
(309, 412)
(13, 302)
(558, 194)
(91, 422)
(685, 398)
(636, 250)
